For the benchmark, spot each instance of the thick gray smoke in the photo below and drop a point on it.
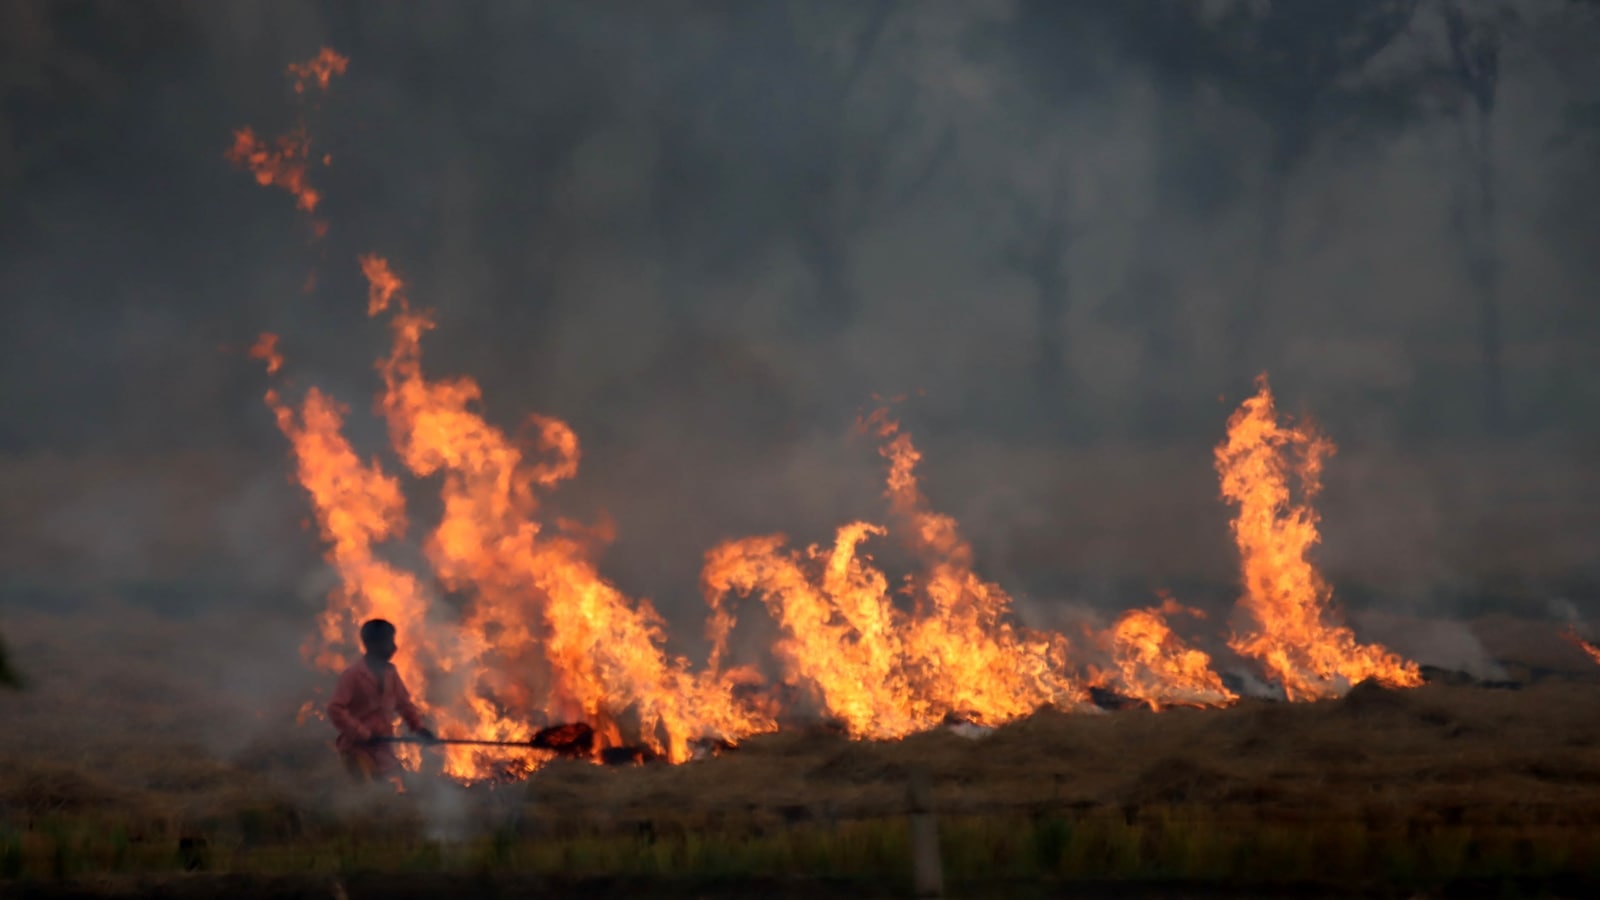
(704, 233)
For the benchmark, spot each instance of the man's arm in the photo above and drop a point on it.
(339, 708)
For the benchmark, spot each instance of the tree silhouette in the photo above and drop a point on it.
(768, 139)
(1474, 46)
(1057, 49)
(1038, 252)
(1296, 65)
(1478, 38)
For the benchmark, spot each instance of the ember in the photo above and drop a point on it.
(319, 69)
(707, 748)
(572, 741)
(284, 161)
(1110, 700)
(628, 756)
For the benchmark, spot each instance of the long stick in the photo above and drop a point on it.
(526, 745)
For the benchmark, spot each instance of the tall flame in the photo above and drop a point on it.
(540, 634)
(1293, 631)
(357, 505)
(539, 606)
(543, 636)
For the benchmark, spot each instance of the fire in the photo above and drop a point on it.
(318, 70)
(1154, 665)
(357, 505)
(886, 672)
(280, 162)
(1287, 603)
(544, 636)
(843, 638)
(266, 349)
(973, 659)
(595, 653)
(535, 646)
(284, 161)
(1571, 634)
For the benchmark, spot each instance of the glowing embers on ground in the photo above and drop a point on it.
(1287, 603)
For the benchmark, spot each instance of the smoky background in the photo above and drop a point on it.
(705, 233)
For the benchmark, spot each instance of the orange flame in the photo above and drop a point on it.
(539, 606)
(383, 286)
(973, 659)
(318, 70)
(281, 162)
(1571, 634)
(357, 505)
(311, 709)
(543, 634)
(284, 160)
(533, 633)
(266, 349)
(843, 636)
(1286, 601)
(880, 670)
(1154, 665)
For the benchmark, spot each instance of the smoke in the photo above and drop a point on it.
(705, 233)
(1444, 644)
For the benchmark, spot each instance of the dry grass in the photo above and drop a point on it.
(112, 760)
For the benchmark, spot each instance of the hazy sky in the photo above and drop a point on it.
(705, 233)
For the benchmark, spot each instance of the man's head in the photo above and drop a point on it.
(377, 638)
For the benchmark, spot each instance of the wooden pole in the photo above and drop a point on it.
(927, 870)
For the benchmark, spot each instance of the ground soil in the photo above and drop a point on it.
(513, 887)
(126, 740)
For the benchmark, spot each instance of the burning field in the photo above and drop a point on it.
(541, 639)
(1270, 744)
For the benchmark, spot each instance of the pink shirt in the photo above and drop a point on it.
(364, 707)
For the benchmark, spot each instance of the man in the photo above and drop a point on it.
(365, 702)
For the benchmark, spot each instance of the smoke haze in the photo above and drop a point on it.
(705, 234)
